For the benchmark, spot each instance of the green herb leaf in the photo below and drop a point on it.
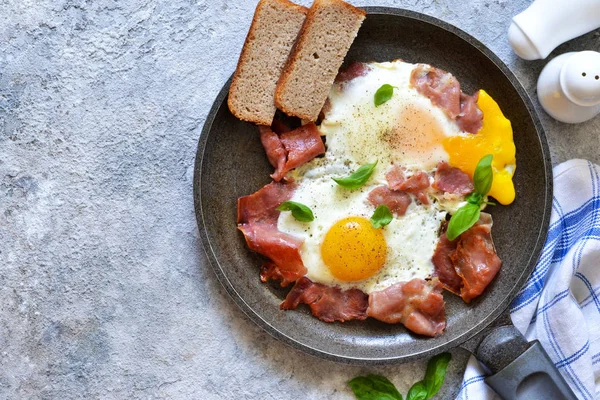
(381, 217)
(483, 176)
(436, 371)
(358, 178)
(475, 198)
(418, 391)
(374, 387)
(383, 94)
(464, 218)
(299, 211)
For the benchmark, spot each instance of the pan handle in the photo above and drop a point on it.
(521, 369)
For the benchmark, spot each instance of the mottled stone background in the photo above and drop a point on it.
(105, 291)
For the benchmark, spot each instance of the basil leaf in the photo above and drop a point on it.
(436, 371)
(358, 178)
(475, 198)
(464, 218)
(418, 391)
(377, 387)
(381, 217)
(374, 387)
(383, 94)
(299, 210)
(483, 176)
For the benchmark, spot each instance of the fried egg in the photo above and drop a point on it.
(408, 129)
(340, 246)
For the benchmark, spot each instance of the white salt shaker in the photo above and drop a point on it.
(569, 87)
(543, 26)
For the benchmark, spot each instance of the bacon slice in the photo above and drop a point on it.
(422, 197)
(395, 177)
(353, 70)
(279, 127)
(327, 303)
(417, 304)
(470, 118)
(468, 264)
(452, 180)
(444, 268)
(257, 219)
(443, 89)
(416, 184)
(270, 271)
(396, 201)
(475, 259)
(303, 144)
(325, 110)
(398, 181)
(276, 154)
(292, 148)
(261, 206)
(281, 248)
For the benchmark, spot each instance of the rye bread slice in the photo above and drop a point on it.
(274, 29)
(327, 34)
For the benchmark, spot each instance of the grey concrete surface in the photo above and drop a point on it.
(105, 291)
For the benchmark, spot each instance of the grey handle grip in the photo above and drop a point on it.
(520, 369)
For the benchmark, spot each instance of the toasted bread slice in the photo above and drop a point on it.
(271, 36)
(326, 36)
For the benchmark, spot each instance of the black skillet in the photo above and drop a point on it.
(231, 162)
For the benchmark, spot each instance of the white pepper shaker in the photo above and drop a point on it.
(569, 87)
(543, 26)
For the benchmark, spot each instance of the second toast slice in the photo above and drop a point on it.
(327, 34)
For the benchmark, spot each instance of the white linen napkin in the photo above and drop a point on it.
(560, 303)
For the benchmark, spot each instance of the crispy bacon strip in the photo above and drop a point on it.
(257, 219)
(467, 265)
(291, 148)
(470, 118)
(417, 304)
(353, 70)
(396, 201)
(279, 127)
(475, 259)
(276, 153)
(303, 144)
(416, 184)
(261, 206)
(444, 268)
(452, 180)
(281, 248)
(327, 303)
(443, 89)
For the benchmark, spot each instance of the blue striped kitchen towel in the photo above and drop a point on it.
(560, 304)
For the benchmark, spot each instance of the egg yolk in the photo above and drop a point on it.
(495, 137)
(353, 250)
